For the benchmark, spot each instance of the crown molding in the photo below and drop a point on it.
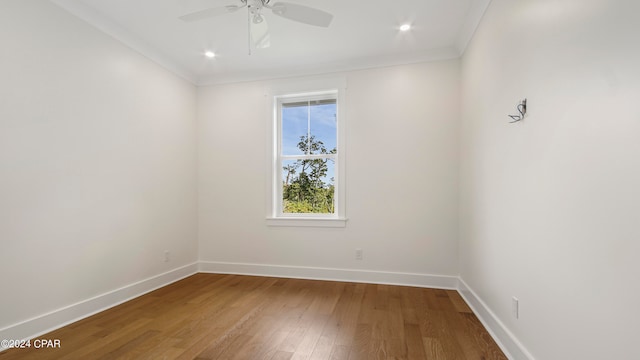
(98, 20)
(470, 24)
(355, 64)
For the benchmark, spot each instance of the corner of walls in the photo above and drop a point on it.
(331, 274)
(58, 318)
(548, 207)
(505, 339)
(98, 171)
(417, 236)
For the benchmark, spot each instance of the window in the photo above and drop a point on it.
(307, 160)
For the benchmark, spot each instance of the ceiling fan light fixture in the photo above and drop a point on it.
(405, 27)
(257, 19)
(258, 29)
(210, 54)
(279, 9)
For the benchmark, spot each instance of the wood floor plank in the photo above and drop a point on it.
(282, 355)
(361, 342)
(338, 319)
(415, 347)
(340, 352)
(213, 317)
(433, 349)
(349, 320)
(458, 302)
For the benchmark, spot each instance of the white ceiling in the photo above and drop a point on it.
(363, 34)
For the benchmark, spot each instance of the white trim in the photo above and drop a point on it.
(56, 319)
(498, 331)
(108, 26)
(333, 67)
(307, 222)
(331, 274)
(470, 25)
(294, 88)
(507, 342)
(309, 85)
(53, 320)
(279, 101)
(101, 22)
(308, 157)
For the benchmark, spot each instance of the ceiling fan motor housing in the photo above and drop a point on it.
(258, 27)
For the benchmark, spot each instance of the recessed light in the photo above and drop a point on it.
(210, 54)
(405, 27)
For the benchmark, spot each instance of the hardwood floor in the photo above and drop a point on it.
(208, 316)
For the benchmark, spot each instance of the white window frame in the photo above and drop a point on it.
(305, 90)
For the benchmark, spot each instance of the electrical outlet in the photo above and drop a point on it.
(166, 256)
(515, 307)
(358, 254)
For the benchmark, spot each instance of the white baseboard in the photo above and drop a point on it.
(48, 322)
(349, 275)
(509, 344)
(503, 337)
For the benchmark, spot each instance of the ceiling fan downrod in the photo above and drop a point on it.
(258, 28)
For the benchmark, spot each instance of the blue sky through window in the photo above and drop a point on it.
(318, 120)
(295, 123)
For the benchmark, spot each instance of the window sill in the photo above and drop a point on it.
(307, 222)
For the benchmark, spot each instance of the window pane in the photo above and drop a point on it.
(294, 125)
(308, 186)
(323, 128)
(301, 119)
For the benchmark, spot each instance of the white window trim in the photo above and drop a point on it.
(314, 87)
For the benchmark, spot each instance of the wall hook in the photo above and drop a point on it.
(522, 111)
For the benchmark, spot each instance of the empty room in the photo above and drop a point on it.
(307, 179)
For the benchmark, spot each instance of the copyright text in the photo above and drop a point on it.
(27, 344)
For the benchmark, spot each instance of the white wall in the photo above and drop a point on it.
(401, 159)
(98, 159)
(550, 207)
(97, 163)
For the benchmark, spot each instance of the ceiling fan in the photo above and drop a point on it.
(258, 28)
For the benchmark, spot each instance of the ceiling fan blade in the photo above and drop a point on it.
(260, 32)
(303, 14)
(207, 13)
